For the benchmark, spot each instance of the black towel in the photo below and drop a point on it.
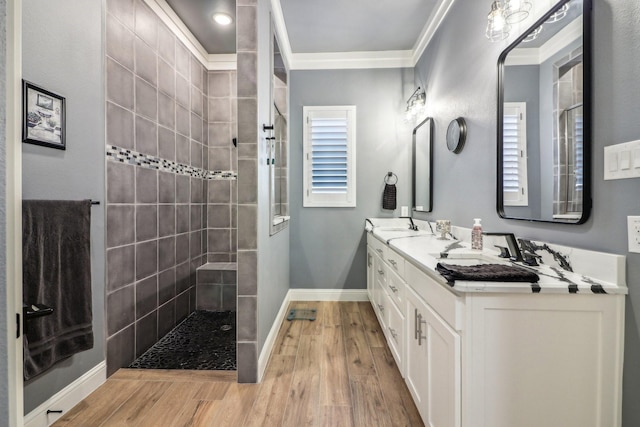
(57, 273)
(389, 197)
(486, 273)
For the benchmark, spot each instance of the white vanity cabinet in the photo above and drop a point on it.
(499, 359)
(433, 358)
(387, 295)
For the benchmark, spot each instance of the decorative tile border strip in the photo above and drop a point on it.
(124, 155)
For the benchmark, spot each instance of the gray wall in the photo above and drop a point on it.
(4, 335)
(273, 251)
(464, 84)
(62, 52)
(328, 245)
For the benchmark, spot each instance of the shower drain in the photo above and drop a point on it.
(226, 327)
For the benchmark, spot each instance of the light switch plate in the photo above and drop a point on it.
(633, 230)
(622, 161)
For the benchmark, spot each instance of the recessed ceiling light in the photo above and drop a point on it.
(222, 18)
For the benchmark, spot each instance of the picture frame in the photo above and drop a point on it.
(43, 119)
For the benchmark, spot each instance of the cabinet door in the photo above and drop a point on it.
(432, 364)
(370, 272)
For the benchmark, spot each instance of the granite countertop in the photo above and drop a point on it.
(423, 249)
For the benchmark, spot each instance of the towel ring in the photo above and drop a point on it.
(389, 176)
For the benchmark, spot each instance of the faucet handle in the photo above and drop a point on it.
(504, 252)
(530, 259)
(514, 249)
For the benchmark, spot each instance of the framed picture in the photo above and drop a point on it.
(43, 121)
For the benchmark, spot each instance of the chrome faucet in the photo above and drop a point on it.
(412, 226)
(514, 249)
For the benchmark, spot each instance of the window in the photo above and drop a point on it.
(329, 156)
(514, 154)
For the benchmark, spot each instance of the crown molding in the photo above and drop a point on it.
(537, 55)
(175, 24)
(429, 30)
(352, 60)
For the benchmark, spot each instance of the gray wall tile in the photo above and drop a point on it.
(146, 332)
(123, 10)
(247, 362)
(166, 187)
(119, 42)
(120, 309)
(146, 222)
(182, 277)
(166, 143)
(196, 127)
(246, 33)
(247, 119)
(196, 217)
(120, 267)
(166, 78)
(220, 135)
(209, 297)
(247, 233)
(183, 149)
(218, 240)
(247, 68)
(220, 158)
(146, 259)
(166, 44)
(219, 84)
(166, 317)
(247, 273)
(219, 191)
(195, 246)
(166, 253)
(196, 154)
(146, 62)
(183, 189)
(183, 125)
(182, 306)
(146, 136)
(196, 100)
(196, 74)
(146, 296)
(219, 110)
(146, 99)
(183, 91)
(166, 285)
(146, 24)
(229, 297)
(197, 190)
(166, 111)
(120, 183)
(182, 60)
(119, 126)
(182, 218)
(146, 185)
(219, 216)
(120, 225)
(119, 84)
(166, 220)
(247, 181)
(182, 248)
(121, 349)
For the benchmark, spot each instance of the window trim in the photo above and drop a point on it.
(522, 198)
(344, 199)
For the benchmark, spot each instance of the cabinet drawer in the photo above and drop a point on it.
(380, 271)
(395, 288)
(395, 261)
(377, 246)
(395, 335)
(448, 305)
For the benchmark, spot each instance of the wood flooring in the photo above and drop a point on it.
(335, 371)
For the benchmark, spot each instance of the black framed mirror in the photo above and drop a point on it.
(422, 164)
(544, 119)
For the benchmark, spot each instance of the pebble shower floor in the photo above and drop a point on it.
(206, 340)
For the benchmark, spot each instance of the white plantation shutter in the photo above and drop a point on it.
(329, 156)
(514, 154)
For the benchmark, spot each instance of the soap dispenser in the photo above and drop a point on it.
(476, 235)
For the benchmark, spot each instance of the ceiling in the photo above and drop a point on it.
(320, 27)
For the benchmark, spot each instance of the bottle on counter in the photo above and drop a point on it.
(476, 234)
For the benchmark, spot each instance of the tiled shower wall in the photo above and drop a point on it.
(158, 125)
(222, 129)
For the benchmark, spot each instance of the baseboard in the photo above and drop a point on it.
(68, 397)
(267, 348)
(328, 295)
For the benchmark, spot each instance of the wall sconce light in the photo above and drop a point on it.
(561, 13)
(516, 10)
(415, 104)
(497, 25)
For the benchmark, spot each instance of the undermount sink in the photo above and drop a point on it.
(467, 258)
